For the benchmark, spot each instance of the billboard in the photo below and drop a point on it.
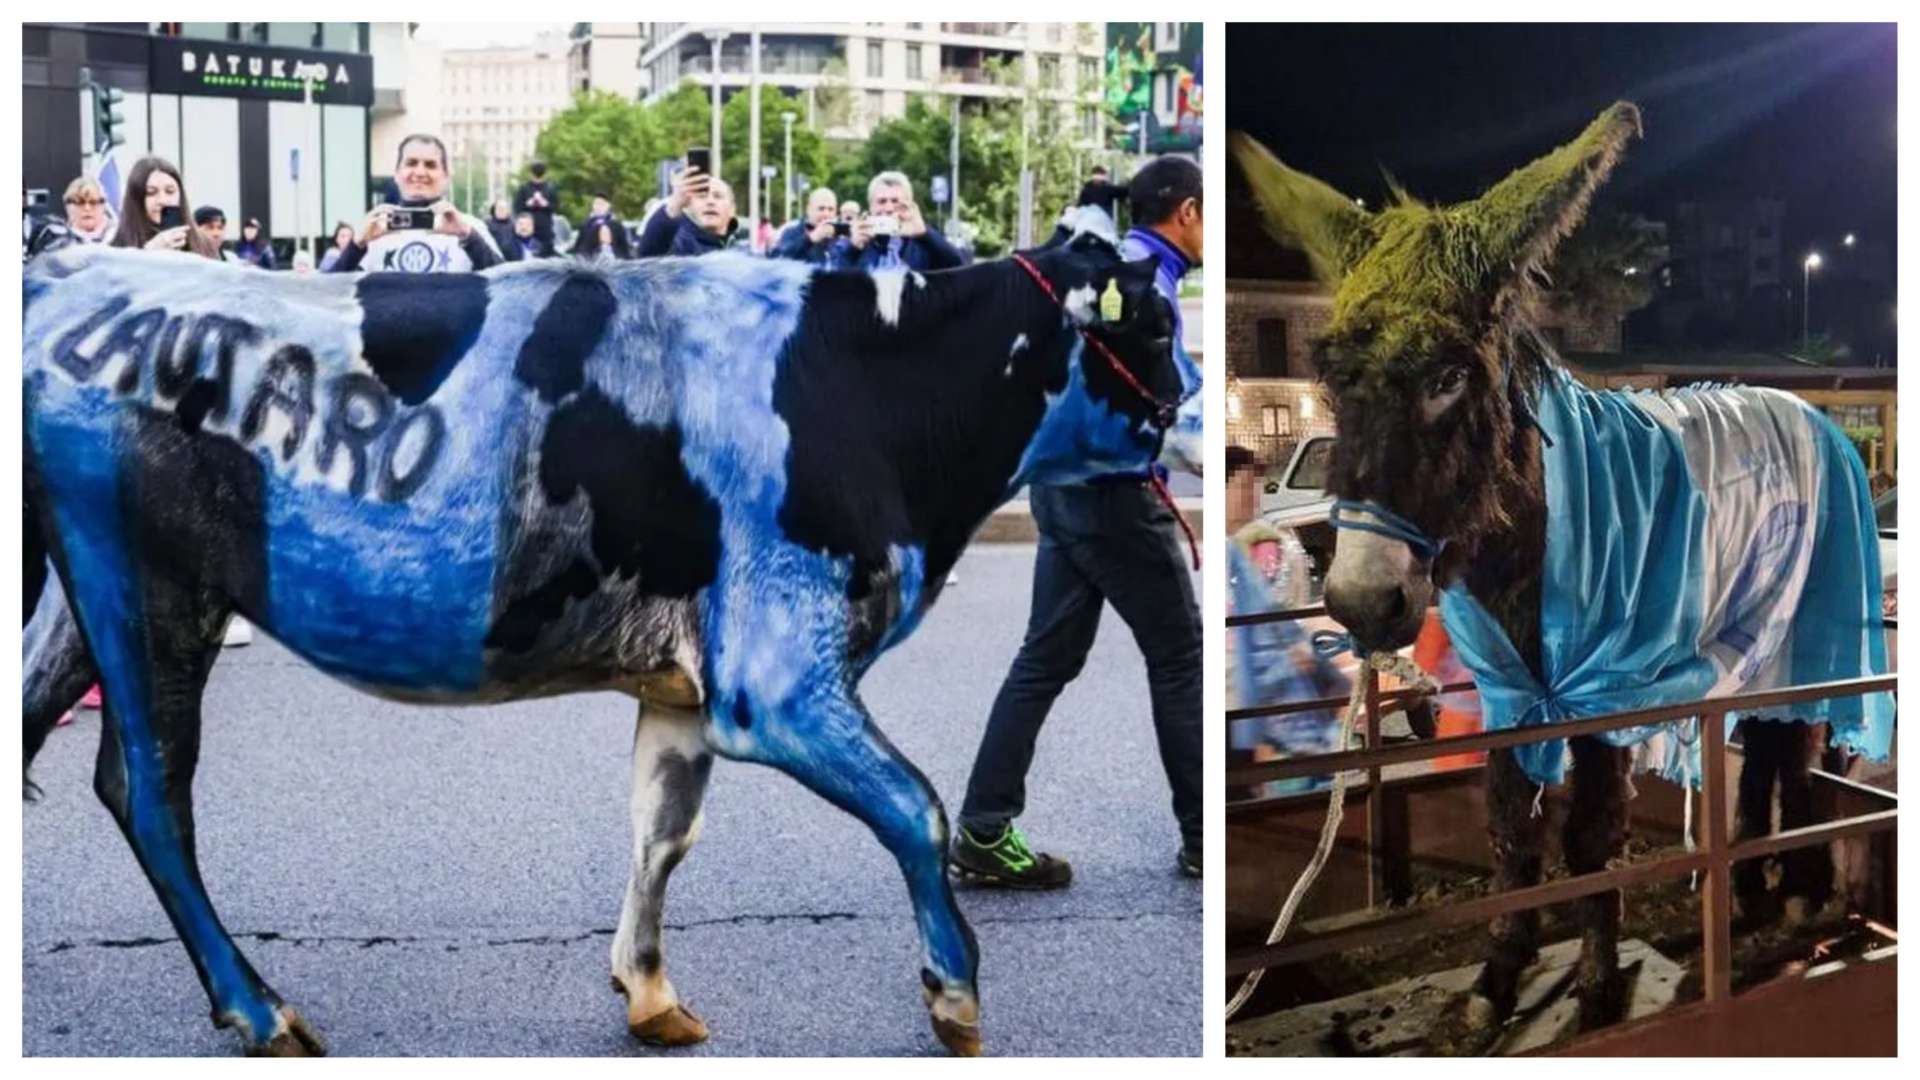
(1154, 79)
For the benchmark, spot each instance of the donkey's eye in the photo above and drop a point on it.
(1449, 381)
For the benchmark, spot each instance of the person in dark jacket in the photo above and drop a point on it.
(537, 197)
(696, 219)
(254, 248)
(500, 227)
(813, 239)
(457, 243)
(603, 233)
(894, 235)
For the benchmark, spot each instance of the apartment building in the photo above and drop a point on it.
(882, 65)
(494, 101)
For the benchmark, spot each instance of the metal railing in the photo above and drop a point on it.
(1716, 856)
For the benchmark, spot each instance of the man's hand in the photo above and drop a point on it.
(174, 239)
(821, 233)
(447, 219)
(911, 223)
(373, 228)
(862, 233)
(687, 184)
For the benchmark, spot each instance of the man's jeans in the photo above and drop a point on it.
(1099, 544)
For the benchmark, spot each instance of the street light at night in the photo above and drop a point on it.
(1847, 241)
(1806, 297)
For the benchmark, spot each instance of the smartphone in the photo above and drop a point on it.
(410, 217)
(884, 224)
(699, 157)
(172, 217)
(843, 227)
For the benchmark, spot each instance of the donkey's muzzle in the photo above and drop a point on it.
(1379, 616)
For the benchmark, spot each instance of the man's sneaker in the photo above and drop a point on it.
(1190, 861)
(1006, 862)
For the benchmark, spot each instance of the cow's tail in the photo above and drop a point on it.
(55, 666)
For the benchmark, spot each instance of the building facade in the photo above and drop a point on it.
(882, 65)
(605, 56)
(493, 103)
(225, 102)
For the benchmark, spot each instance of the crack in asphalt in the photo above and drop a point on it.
(815, 918)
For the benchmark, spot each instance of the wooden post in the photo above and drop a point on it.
(1716, 903)
(1376, 816)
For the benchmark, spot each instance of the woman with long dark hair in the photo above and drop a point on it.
(603, 233)
(153, 187)
(342, 239)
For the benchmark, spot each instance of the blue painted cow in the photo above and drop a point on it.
(724, 486)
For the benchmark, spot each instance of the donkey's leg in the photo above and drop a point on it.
(826, 740)
(154, 641)
(1753, 817)
(670, 766)
(1806, 881)
(1472, 1021)
(1596, 833)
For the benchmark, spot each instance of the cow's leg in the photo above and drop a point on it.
(1806, 880)
(1472, 1021)
(154, 641)
(826, 740)
(1596, 833)
(55, 666)
(1753, 817)
(670, 766)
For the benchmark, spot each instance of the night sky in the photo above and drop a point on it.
(1805, 113)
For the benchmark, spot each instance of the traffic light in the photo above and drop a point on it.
(107, 117)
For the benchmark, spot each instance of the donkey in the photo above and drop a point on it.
(723, 486)
(1578, 536)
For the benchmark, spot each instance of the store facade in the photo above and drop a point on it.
(228, 103)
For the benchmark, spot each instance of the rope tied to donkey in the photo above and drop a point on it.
(1163, 412)
(1406, 671)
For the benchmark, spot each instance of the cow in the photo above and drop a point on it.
(723, 486)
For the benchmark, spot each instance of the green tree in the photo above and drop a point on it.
(467, 183)
(601, 143)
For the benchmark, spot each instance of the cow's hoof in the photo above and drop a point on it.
(961, 1040)
(1467, 1027)
(676, 1026)
(956, 1021)
(294, 1039)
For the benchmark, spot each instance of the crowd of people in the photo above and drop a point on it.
(417, 228)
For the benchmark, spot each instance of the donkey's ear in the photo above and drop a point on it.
(1304, 212)
(1523, 218)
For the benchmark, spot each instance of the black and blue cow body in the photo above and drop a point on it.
(724, 485)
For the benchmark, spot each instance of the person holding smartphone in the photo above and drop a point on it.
(816, 237)
(698, 216)
(538, 198)
(153, 212)
(894, 235)
(422, 233)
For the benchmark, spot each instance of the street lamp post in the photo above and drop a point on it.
(714, 150)
(753, 138)
(1807, 268)
(786, 174)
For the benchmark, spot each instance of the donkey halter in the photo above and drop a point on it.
(1386, 523)
(1163, 414)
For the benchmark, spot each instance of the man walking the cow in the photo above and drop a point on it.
(1109, 541)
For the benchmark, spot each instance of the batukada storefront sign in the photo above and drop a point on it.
(238, 70)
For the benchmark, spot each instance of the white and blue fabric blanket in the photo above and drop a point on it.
(1700, 543)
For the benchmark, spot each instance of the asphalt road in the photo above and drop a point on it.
(440, 881)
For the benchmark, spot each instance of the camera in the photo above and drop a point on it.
(884, 224)
(172, 217)
(410, 217)
(843, 227)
